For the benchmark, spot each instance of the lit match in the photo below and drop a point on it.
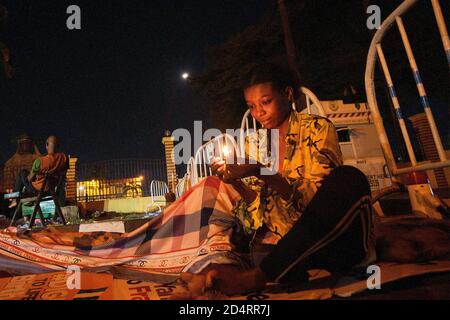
(226, 151)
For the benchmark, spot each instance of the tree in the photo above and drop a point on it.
(322, 38)
(221, 83)
(332, 42)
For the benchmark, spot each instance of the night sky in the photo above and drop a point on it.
(110, 90)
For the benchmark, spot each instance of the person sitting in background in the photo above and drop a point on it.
(31, 182)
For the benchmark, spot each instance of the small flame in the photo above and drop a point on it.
(226, 151)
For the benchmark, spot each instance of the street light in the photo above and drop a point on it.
(82, 188)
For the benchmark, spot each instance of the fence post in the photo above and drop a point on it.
(168, 142)
(71, 181)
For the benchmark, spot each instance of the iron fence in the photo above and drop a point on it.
(122, 178)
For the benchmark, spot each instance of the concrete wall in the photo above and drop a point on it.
(138, 205)
(128, 205)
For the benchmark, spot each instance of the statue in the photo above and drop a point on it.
(23, 159)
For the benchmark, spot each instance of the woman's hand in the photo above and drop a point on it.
(233, 173)
(230, 172)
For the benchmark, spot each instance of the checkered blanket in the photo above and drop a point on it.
(193, 232)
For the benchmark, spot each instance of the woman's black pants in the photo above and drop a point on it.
(333, 233)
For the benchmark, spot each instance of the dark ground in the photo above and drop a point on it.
(432, 286)
(424, 287)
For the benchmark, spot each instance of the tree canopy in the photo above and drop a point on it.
(332, 41)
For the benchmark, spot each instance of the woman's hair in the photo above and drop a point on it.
(280, 77)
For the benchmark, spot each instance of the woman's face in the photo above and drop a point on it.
(268, 106)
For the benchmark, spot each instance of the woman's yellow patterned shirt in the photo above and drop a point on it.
(312, 151)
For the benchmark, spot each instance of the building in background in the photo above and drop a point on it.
(358, 140)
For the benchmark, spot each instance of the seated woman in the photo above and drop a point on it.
(317, 211)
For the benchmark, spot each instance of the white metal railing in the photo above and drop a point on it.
(311, 97)
(180, 187)
(158, 189)
(442, 28)
(187, 181)
(220, 147)
(190, 173)
(375, 51)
